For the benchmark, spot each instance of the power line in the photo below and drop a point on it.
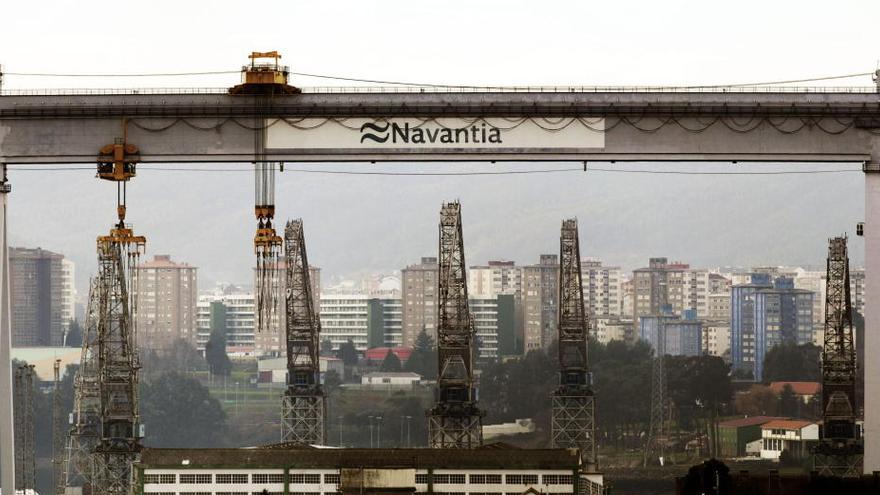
(408, 83)
(156, 74)
(790, 81)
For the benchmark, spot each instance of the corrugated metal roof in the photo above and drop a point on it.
(786, 424)
(489, 457)
(749, 421)
(799, 388)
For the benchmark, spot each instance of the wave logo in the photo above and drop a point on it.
(381, 132)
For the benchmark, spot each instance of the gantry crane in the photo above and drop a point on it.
(840, 451)
(302, 418)
(573, 423)
(455, 421)
(263, 78)
(114, 302)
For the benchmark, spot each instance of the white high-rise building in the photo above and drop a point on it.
(609, 328)
(602, 286)
(716, 337)
(498, 277)
(344, 317)
(485, 312)
(239, 318)
(68, 294)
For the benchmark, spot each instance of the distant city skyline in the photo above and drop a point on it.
(624, 218)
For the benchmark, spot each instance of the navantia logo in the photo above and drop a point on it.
(406, 134)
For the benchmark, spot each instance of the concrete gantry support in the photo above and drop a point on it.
(872, 317)
(7, 441)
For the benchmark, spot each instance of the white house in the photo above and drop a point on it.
(794, 436)
(402, 379)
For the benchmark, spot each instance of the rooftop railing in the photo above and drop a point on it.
(457, 90)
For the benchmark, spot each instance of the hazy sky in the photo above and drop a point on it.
(356, 223)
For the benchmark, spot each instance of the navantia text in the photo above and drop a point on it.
(407, 134)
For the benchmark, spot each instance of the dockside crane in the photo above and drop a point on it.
(573, 423)
(85, 428)
(840, 451)
(114, 302)
(455, 421)
(302, 417)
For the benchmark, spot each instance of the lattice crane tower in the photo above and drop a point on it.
(302, 417)
(116, 309)
(573, 423)
(57, 435)
(840, 451)
(85, 432)
(25, 466)
(455, 421)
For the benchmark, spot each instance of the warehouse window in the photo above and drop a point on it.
(259, 478)
(331, 479)
(189, 479)
(557, 479)
(303, 478)
(422, 479)
(165, 479)
(485, 479)
(458, 479)
(227, 479)
(522, 479)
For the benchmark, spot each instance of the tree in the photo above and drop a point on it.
(423, 359)
(391, 362)
(215, 349)
(180, 356)
(326, 347)
(215, 353)
(759, 400)
(74, 335)
(332, 382)
(348, 353)
(178, 411)
(789, 362)
(788, 402)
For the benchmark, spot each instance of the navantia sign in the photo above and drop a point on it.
(436, 136)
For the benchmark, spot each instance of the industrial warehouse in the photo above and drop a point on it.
(293, 469)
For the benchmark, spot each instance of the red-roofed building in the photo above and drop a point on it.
(379, 353)
(804, 390)
(793, 435)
